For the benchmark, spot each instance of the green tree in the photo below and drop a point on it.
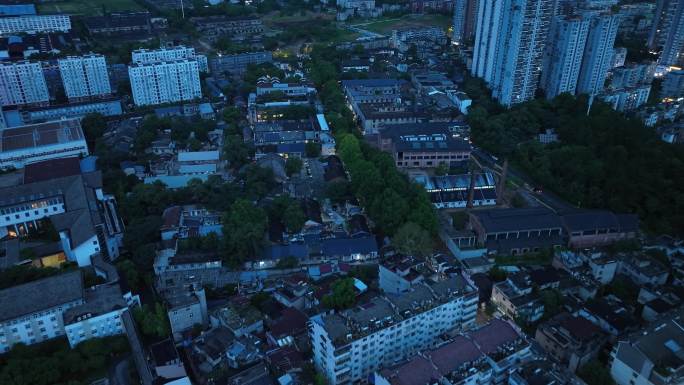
(293, 165)
(93, 126)
(294, 217)
(244, 226)
(152, 322)
(131, 273)
(338, 191)
(595, 373)
(497, 274)
(236, 151)
(411, 239)
(313, 150)
(343, 294)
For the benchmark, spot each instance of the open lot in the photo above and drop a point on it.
(89, 7)
(385, 26)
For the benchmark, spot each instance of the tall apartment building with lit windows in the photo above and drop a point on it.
(35, 24)
(165, 82)
(351, 345)
(509, 46)
(598, 52)
(143, 56)
(84, 76)
(563, 56)
(22, 82)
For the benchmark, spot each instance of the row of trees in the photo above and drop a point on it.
(53, 362)
(604, 159)
(389, 198)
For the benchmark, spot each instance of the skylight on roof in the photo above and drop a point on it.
(673, 346)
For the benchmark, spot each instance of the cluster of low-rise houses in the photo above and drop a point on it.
(517, 295)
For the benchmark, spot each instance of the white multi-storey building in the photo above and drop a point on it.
(598, 52)
(22, 83)
(509, 45)
(165, 82)
(99, 316)
(60, 305)
(84, 76)
(627, 99)
(351, 345)
(35, 24)
(145, 56)
(84, 217)
(24, 145)
(563, 56)
(32, 312)
(668, 32)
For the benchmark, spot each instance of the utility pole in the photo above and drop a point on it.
(182, 10)
(502, 183)
(471, 191)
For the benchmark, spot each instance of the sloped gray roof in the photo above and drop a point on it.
(46, 293)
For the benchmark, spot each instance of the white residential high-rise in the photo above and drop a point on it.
(353, 344)
(165, 82)
(668, 32)
(598, 52)
(563, 55)
(22, 83)
(509, 45)
(84, 76)
(35, 24)
(144, 56)
(460, 15)
(673, 35)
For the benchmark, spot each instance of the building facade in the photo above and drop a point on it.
(165, 82)
(146, 56)
(667, 32)
(100, 315)
(84, 76)
(108, 107)
(35, 24)
(351, 345)
(598, 53)
(24, 145)
(32, 312)
(238, 63)
(22, 83)
(84, 217)
(563, 55)
(509, 45)
(673, 85)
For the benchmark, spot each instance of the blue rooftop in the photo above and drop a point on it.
(297, 250)
(347, 246)
(289, 148)
(17, 9)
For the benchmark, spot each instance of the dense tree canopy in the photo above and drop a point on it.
(603, 160)
(342, 296)
(411, 239)
(53, 362)
(244, 227)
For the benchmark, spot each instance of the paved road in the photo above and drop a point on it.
(545, 198)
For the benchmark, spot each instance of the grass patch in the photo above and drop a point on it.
(385, 26)
(89, 7)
